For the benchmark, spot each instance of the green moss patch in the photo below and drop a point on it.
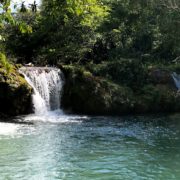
(15, 93)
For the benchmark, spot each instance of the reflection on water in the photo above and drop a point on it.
(90, 148)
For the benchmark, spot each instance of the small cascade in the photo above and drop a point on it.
(176, 78)
(47, 84)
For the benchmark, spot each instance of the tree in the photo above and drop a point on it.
(168, 24)
(6, 20)
(34, 7)
(23, 8)
(65, 31)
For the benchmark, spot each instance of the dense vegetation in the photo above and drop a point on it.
(94, 31)
(121, 41)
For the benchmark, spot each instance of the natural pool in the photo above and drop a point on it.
(90, 148)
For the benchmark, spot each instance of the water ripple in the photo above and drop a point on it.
(84, 147)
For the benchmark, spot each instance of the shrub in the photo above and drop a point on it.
(4, 63)
(8, 67)
(128, 72)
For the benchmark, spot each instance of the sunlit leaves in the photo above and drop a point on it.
(2, 59)
(3, 62)
(91, 12)
(7, 18)
(24, 28)
(71, 26)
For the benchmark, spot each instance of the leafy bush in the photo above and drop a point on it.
(8, 67)
(2, 59)
(4, 63)
(128, 72)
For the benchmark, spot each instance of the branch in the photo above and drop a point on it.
(175, 60)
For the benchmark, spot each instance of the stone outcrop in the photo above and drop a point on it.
(161, 95)
(85, 93)
(88, 94)
(15, 94)
(162, 78)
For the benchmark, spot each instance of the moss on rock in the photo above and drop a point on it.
(15, 94)
(89, 94)
(157, 98)
(162, 77)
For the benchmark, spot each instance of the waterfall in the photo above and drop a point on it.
(176, 78)
(47, 84)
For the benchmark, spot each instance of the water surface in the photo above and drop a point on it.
(53, 147)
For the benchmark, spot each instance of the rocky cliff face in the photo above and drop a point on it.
(88, 94)
(15, 94)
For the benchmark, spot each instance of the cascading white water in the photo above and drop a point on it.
(176, 78)
(47, 84)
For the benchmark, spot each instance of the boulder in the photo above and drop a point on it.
(87, 94)
(15, 94)
(163, 78)
(161, 95)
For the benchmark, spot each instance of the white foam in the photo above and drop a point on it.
(8, 128)
(55, 117)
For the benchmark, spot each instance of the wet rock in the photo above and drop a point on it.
(47, 70)
(29, 65)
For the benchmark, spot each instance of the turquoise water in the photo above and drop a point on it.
(90, 148)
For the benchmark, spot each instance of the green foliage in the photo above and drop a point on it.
(15, 93)
(65, 31)
(3, 59)
(151, 94)
(79, 70)
(86, 93)
(4, 63)
(6, 21)
(157, 98)
(8, 67)
(97, 31)
(128, 72)
(7, 18)
(116, 40)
